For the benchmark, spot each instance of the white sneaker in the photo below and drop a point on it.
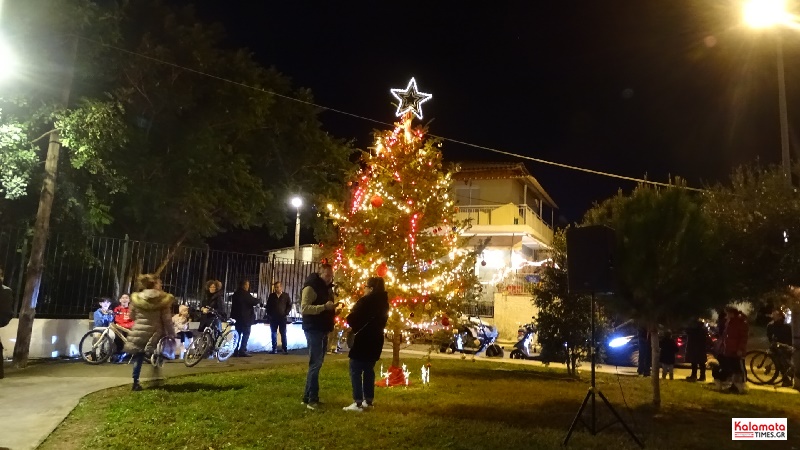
(366, 405)
(353, 407)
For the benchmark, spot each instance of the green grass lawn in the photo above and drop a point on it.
(468, 405)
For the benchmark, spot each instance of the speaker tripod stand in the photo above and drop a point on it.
(591, 399)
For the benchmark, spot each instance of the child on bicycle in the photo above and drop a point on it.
(151, 313)
(180, 322)
(104, 316)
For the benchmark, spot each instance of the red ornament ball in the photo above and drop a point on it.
(366, 231)
(361, 249)
(483, 263)
(376, 201)
(382, 270)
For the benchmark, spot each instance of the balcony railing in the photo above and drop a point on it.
(505, 215)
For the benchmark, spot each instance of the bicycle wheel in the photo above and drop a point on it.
(762, 367)
(197, 350)
(96, 347)
(226, 345)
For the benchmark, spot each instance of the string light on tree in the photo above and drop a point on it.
(399, 223)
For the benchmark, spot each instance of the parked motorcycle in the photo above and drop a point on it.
(522, 349)
(473, 336)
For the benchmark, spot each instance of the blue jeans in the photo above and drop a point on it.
(317, 344)
(273, 328)
(137, 361)
(363, 388)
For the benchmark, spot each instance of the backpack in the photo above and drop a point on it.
(6, 301)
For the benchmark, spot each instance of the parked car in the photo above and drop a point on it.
(622, 346)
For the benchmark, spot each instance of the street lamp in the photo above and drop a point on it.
(297, 202)
(765, 14)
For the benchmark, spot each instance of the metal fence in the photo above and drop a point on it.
(79, 272)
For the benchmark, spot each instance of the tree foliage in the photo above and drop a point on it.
(563, 321)
(668, 262)
(159, 145)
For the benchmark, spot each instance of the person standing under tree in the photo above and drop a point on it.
(242, 304)
(367, 321)
(151, 310)
(279, 304)
(6, 312)
(319, 312)
(696, 355)
(780, 332)
(734, 346)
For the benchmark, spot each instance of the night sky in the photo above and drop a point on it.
(638, 88)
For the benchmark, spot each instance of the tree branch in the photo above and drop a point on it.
(43, 136)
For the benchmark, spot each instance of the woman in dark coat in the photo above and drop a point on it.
(367, 320)
(242, 304)
(212, 300)
(696, 341)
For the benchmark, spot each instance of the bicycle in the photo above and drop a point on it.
(212, 340)
(766, 366)
(99, 344)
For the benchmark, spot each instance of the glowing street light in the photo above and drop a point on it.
(297, 202)
(8, 61)
(765, 14)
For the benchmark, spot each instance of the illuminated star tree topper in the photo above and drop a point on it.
(411, 99)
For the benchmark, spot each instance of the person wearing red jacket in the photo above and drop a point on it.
(122, 313)
(734, 346)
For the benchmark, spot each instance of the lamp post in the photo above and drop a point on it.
(766, 14)
(297, 202)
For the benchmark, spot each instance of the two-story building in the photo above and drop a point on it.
(507, 205)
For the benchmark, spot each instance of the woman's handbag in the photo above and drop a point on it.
(351, 335)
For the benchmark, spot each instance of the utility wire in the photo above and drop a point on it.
(357, 116)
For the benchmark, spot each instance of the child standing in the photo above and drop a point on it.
(668, 348)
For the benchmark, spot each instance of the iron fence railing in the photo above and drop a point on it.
(78, 272)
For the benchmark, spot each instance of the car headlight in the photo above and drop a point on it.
(620, 341)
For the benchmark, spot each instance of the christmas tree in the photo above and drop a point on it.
(399, 224)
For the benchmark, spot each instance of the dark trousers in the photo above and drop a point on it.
(702, 367)
(731, 366)
(137, 361)
(362, 377)
(244, 335)
(274, 327)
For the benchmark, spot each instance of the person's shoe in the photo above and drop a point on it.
(353, 407)
(244, 355)
(701, 379)
(313, 405)
(367, 405)
(285, 352)
(691, 378)
(136, 386)
(786, 383)
(273, 351)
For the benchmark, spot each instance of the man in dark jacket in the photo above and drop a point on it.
(318, 315)
(696, 349)
(367, 321)
(242, 304)
(779, 334)
(6, 312)
(279, 304)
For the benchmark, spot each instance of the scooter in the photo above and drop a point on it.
(522, 349)
(473, 337)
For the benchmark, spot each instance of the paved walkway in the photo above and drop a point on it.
(34, 401)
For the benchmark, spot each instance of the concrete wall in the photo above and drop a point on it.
(54, 338)
(51, 338)
(510, 311)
